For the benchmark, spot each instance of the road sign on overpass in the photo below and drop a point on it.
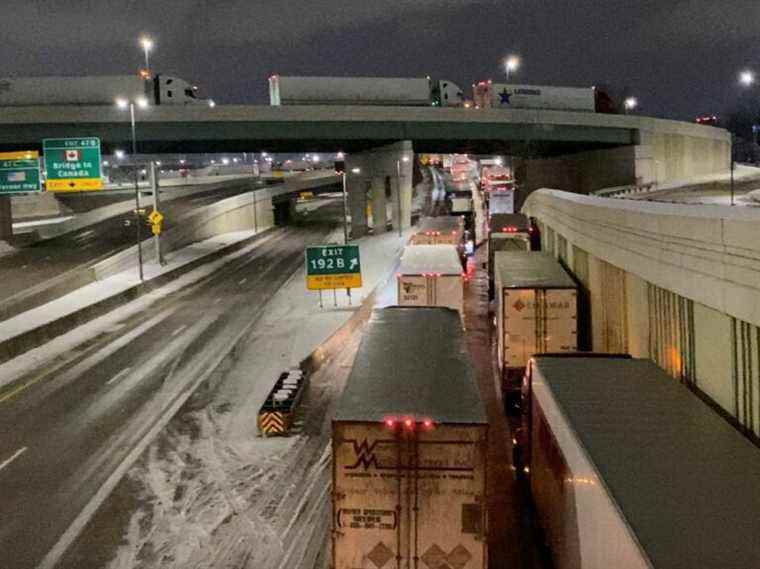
(19, 172)
(333, 267)
(72, 164)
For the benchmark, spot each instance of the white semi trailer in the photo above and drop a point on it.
(630, 470)
(488, 95)
(410, 440)
(384, 91)
(96, 90)
(537, 311)
(431, 275)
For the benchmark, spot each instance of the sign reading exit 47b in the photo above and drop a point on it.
(72, 164)
(332, 267)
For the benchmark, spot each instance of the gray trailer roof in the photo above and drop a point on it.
(529, 269)
(686, 481)
(412, 362)
(442, 223)
(421, 259)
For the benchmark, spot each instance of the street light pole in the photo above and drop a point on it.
(733, 161)
(345, 208)
(138, 221)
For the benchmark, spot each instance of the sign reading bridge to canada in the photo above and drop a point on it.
(333, 267)
(72, 164)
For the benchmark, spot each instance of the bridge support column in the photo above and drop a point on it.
(6, 218)
(379, 205)
(375, 170)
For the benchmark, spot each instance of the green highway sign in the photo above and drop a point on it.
(72, 164)
(19, 175)
(333, 266)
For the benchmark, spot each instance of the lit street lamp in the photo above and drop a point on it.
(125, 104)
(511, 64)
(746, 78)
(147, 45)
(630, 104)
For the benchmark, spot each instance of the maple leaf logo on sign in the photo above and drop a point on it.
(72, 156)
(519, 305)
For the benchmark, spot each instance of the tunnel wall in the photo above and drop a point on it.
(677, 284)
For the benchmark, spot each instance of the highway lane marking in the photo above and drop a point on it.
(178, 330)
(243, 281)
(218, 300)
(17, 454)
(119, 375)
(94, 359)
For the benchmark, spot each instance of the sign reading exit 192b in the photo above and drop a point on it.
(72, 164)
(332, 267)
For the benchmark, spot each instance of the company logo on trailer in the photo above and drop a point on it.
(365, 454)
(504, 97)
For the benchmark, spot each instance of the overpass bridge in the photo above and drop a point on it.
(580, 152)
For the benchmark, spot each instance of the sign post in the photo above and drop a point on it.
(19, 172)
(333, 267)
(72, 164)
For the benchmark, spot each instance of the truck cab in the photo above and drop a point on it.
(172, 90)
(447, 94)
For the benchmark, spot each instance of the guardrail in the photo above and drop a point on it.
(277, 414)
(625, 190)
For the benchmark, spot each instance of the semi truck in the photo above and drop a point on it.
(629, 469)
(487, 95)
(431, 275)
(96, 90)
(507, 232)
(537, 312)
(409, 448)
(383, 91)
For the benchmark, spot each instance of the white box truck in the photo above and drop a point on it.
(507, 96)
(410, 439)
(96, 90)
(431, 275)
(385, 91)
(537, 311)
(630, 470)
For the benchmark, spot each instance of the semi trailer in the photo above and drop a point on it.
(537, 312)
(629, 469)
(96, 90)
(410, 437)
(488, 95)
(440, 230)
(383, 91)
(431, 275)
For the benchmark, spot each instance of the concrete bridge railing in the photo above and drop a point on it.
(679, 284)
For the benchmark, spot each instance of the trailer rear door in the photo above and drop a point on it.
(560, 320)
(519, 332)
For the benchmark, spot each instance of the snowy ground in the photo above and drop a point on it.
(210, 492)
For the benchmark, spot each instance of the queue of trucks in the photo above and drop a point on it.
(401, 91)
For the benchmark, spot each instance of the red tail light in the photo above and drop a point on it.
(390, 422)
(409, 423)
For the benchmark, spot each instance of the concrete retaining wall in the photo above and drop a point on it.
(679, 284)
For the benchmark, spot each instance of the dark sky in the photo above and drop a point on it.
(679, 57)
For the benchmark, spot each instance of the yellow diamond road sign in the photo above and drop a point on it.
(155, 218)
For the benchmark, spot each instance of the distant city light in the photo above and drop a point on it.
(315, 158)
(211, 103)
(142, 102)
(499, 161)
(225, 161)
(405, 159)
(158, 162)
(120, 154)
(356, 170)
(122, 103)
(105, 162)
(631, 103)
(340, 156)
(182, 161)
